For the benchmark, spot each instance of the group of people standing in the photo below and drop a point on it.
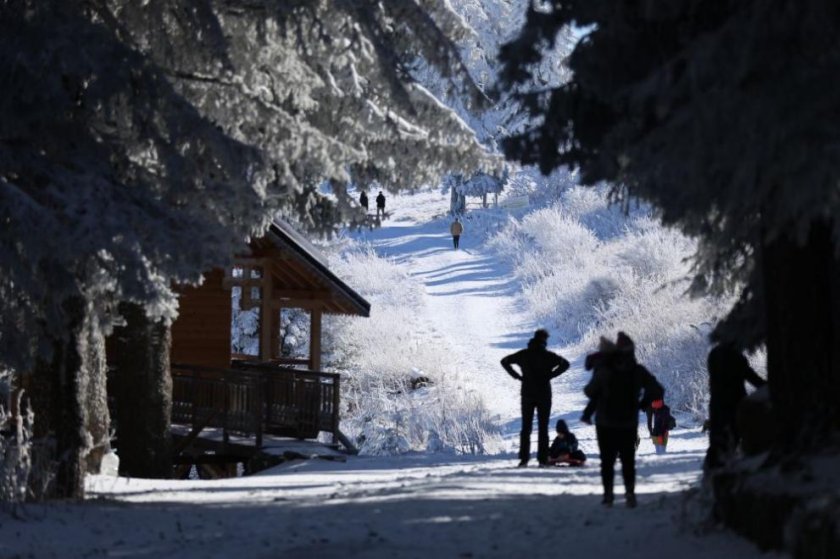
(380, 203)
(620, 387)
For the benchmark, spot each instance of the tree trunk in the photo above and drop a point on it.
(802, 298)
(141, 385)
(96, 413)
(68, 403)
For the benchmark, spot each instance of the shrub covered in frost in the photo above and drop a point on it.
(400, 392)
(588, 269)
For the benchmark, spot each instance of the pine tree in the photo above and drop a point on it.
(715, 112)
(142, 143)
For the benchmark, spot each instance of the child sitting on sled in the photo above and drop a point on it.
(564, 449)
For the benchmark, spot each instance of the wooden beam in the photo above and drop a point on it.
(275, 328)
(315, 340)
(292, 273)
(268, 327)
(309, 304)
(282, 293)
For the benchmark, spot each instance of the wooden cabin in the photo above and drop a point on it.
(266, 390)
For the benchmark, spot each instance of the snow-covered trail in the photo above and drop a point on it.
(413, 506)
(370, 507)
(473, 302)
(471, 298)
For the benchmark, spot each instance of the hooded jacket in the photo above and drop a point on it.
(621, 387)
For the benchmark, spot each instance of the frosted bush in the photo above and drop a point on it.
(400, 389)
(588, 269)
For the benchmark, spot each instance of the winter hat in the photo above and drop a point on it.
(562, 427)
(624, 343)
(605, 345)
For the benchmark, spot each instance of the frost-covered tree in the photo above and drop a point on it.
(141, 143)
(479, 184)
(716, 113)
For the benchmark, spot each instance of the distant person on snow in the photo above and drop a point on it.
(363, 200)
(456, 229)
(728, 370)
(617, 382)
(564, 449)
(380, 204)
(659, 422)
(538, 366)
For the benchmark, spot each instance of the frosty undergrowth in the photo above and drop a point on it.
(587, 270)
(400, 391)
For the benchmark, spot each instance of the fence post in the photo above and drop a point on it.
(226, 392)
(336, 403)
(259, 405)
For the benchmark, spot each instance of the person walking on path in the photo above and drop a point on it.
(728, 370)
(538, 366)
(456, 229)
(616, 384)
(363, 200)
(380, 204)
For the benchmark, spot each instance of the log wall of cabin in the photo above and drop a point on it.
(201, 334)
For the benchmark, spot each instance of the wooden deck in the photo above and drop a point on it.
(255, 400)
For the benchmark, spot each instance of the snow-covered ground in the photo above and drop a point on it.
(414, 505)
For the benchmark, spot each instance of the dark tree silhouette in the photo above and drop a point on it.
(721, 115)
(142, 143)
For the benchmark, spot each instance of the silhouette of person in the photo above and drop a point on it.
(380, 204)
(363, 200)
(538, 366)
(615, 386)
(456, 229)
(564, 449)
(728, 370)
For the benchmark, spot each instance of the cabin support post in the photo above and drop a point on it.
(315, 340)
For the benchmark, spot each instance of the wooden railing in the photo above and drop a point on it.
(252, 399)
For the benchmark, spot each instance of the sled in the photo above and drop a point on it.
(567, 462)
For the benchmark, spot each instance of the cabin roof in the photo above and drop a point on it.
(308, 259)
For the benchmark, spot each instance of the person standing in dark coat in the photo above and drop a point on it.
(616, 385)
(380, 204)
(728, 370)
(363, 200)
(538, 366)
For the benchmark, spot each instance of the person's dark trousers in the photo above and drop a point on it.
(543, 408)
(455, 239)
(723, 439)
(617, 443)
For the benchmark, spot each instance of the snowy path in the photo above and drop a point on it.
(407, 507)
(410, 506)
(471, 298)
